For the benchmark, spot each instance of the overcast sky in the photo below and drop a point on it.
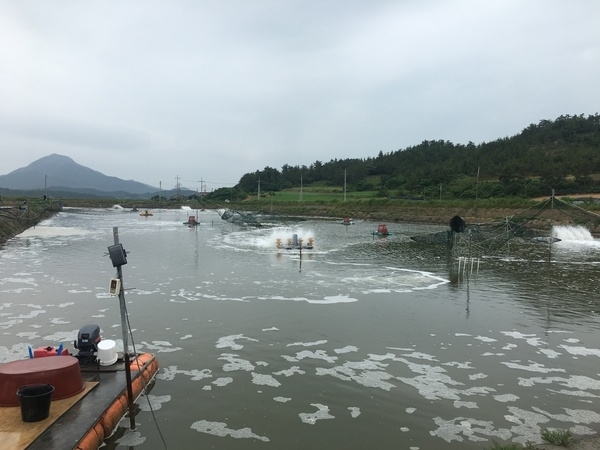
(213, 89)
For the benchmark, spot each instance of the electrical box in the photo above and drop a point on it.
(118, 255)
(115, 286)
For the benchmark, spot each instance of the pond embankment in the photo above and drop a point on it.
(16, 217)
(538, 219)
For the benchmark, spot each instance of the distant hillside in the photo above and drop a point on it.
(561, 155)
(59, 174)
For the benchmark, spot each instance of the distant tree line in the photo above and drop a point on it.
(561, 155)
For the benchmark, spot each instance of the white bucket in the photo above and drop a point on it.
(107, 352)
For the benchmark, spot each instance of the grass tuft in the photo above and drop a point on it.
(564, 438)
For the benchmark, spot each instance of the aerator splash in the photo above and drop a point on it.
(295, 243)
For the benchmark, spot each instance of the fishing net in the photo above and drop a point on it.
(239, 218)
(527, 225)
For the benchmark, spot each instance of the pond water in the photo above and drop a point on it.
(360, 341)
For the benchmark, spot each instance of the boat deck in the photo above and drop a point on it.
(70, 419)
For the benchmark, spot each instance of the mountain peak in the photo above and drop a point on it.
(59, 171)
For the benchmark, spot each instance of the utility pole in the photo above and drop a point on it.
(440, 191)
(300, 187)
(259, 188)
(477, 185)
(159, 191)
(344, 184)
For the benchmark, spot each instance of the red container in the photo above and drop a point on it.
(49, 351)
(63, 373)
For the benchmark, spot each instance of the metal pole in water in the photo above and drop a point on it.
(125, 341)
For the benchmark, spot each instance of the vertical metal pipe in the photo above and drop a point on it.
(124, 329)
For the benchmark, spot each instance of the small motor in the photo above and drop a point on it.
(87, 343)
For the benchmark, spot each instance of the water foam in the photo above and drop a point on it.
(572, 233)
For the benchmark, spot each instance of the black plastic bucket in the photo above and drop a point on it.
(35, 401)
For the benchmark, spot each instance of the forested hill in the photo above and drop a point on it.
(561, 155)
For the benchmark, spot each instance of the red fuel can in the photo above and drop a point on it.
(48, 351)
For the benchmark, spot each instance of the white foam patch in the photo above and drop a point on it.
(28, 335)
(161, 346)
(131, 438)
(580, 351)
(459, 365)
(527, 425)
(366, 373)
(169, 373)
(580, 394)
(580, 430)
(354, 411)
(578, 382)
(235, 363)
(10, 323)
(410, 410)
(346, 349)
(505, 398)
(322, 413)
(531, 339)
(330, 300)
(152, 402)
(477, 376)
(282, 399)
(18, 351)
(58, 321)
(223, 381)
(220, 429)
(46, 231)
(461, 404)
(31, 315)
(532, 367)
(573, 415)
(30, 281)
(291, 371)
(307, 344)
(62, 336)
(461, 428)
(318, 354)
(264, 380)
(433, 383)
(550, 353)
(230, 341)
(424, 356)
